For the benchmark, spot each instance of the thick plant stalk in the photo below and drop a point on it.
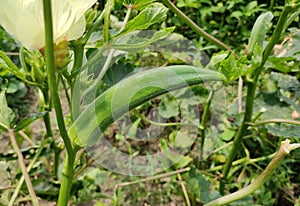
(68, 171)
(251, 85)
(284, 149)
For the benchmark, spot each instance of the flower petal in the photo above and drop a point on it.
(24, 20)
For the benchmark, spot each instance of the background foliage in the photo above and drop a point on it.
(278, 97)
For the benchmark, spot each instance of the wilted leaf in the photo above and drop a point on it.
(284, 130)
(290, 47)
(288, 88)
(275, 108)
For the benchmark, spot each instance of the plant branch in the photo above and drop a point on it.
(162, 124)
(197, 29)
(284, 149)
(186, 196)
(20, 183)
(34, 199)
(168, 174)
(243, 160)
(269, 121)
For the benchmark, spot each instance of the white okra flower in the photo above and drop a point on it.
(24, 20)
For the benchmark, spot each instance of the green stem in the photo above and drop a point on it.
(284, 149)
(67, 179)
(34, 198)
(272, 3)
(196, 28)
(66, 89)
(203, 123)
(269, 121)
(93, 28)
(78, 49)
(47, 123)
(46, 106)
(251, 85)
(107, 10)
(67, 174)
(243, 160)
(52, 77)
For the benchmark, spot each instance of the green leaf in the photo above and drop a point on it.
(232, 68)
(227, 135)
(218, 58)
(168, 107)
(118, 4)
(133, 129)
(117, 72)
(174, 158)
(188, 3)
(152, 14)
(7, 64)
(183, 162)
(132, 92)
(198, 185)
(139, 40)
(138, 4)
(28, 120)
(259, 31)
(7, 116)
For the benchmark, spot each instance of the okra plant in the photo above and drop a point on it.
(80, 49)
